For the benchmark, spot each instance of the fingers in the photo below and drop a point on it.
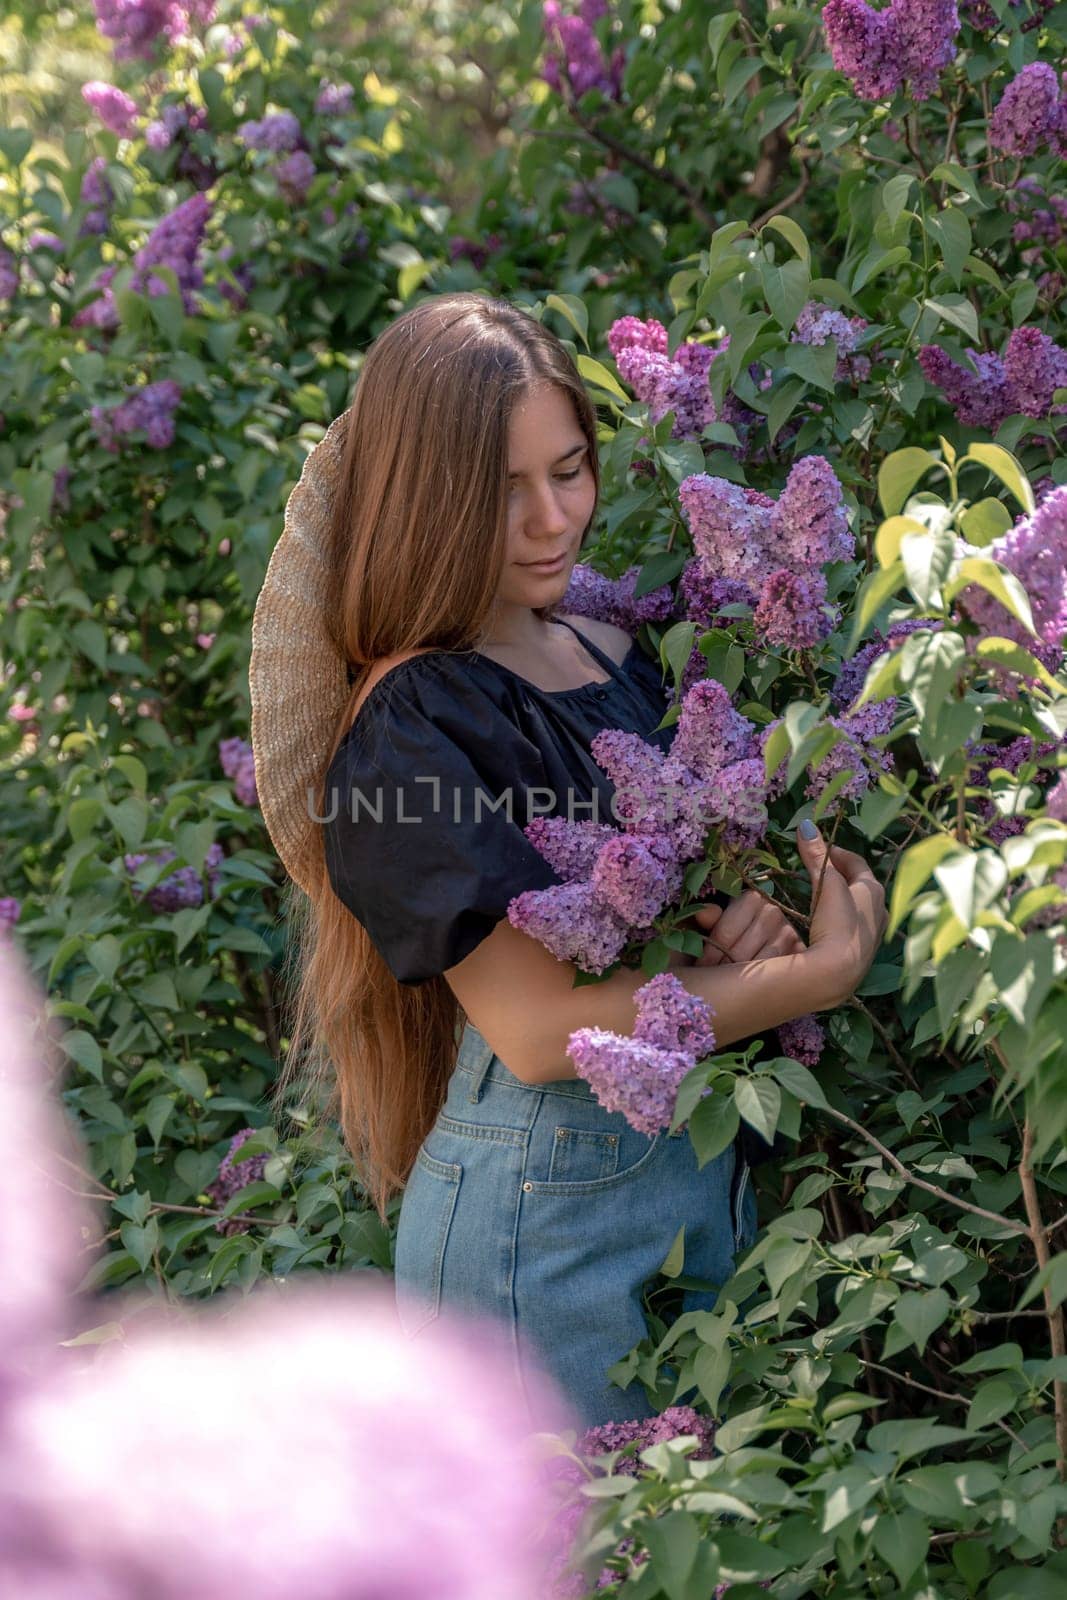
(751, 928)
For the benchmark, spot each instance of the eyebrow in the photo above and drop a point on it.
(566, 456)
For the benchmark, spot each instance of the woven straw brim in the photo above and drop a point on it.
(297, 677)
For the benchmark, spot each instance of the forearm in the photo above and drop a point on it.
(745, 998)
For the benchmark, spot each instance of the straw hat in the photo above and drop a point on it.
(298, 677)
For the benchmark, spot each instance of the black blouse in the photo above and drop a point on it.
(449, 757)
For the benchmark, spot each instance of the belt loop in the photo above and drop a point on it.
(478, 1072)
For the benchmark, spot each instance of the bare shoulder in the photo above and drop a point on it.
(615, 641)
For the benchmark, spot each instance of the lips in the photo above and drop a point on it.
(551, 564)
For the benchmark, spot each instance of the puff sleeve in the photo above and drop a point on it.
(424, 864)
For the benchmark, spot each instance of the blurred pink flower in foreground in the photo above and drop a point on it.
(289, 1444)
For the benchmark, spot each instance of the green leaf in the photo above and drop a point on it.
(791, 231)
(593, 372)
(711, 1369)
(786, 288)
(920, 1313)
(713, 1126)
(985, 521)
(675, 1259)
(1003, 586)
(659, 569)
(913, 1437)
(1003, 465)
(993, 1400)
(958, 313)
(895, 194)
(676, 646)
(927, 559)
(902, 1539)
(784, 400)
(916, 865)
(83, 1048)
(15, 145)
(815, 363)
(899, 473)
(953, 234)
(876, 588)
(1006, 653)
(950, 172)
(91, 639)
(718, 31)
(573, 311)
(795, 1077)
(759, 1102)
(877, 261)
(673, 1540)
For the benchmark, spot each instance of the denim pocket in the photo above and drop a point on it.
(635, 1155)
(580, 1155)
(422, 1233)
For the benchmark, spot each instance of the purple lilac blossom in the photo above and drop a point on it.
(703, 596)
(630, 1077)
(238, 763)
(136, 26)
(455, 1507)
(116, 110)
(9, 275)
(710, 734)
(41, 239)
(909, 40)
(148, 410)
(671, 1018)
(10, 911)
(590, 594)
(476, 251)
(234, 1173)
(1035, 550)
(96, 192)
(1027, 113)
(670, 1424)
(803, 1039)
(181, 890)
(980, 400)
(852, 674)
(809, 524)
(334, 99)
(295, 176)
(1056, 799)
(572, 922)
(570, 848)
(792, 611)
(279, 131)
(629, 333)
(861, 729)
(576, 56)
(635, 879)
(1035, 367)
(817, 323)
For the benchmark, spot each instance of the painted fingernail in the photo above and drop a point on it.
(808, 830)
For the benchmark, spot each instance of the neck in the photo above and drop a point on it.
(515, 627)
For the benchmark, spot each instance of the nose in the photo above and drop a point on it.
(545, 516)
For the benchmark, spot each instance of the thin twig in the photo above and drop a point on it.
(942, 1394)
(1039, 1240)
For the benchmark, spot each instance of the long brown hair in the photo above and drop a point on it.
(417, 549)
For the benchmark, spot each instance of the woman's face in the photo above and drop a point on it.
(551, 494)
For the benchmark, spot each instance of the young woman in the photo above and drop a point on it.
(414, 677)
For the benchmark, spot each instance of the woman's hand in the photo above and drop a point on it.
(750, 928)
(848, 915)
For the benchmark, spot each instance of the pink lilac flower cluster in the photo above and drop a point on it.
(907, 41)
(775, 549)
(235, 757)
(1022, 381)
(294, 176)
(592, 594)
(116, 110)
(10, 912)
(234, 1173)
(575, 56)
(41, 239)
(617, 882)
(175, 243)
(148, 410)
(817, 323)
(476, 251)
(584, 199)
(665, 383)
(174, 119)
(1030, 113)
(1035, 550)
(334, 99)
(638, 1075)
(97, 193)
(136, 26)
(181, 890)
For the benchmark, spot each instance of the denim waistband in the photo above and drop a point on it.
(478, 1062)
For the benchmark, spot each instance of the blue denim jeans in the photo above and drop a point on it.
(532, 1205)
